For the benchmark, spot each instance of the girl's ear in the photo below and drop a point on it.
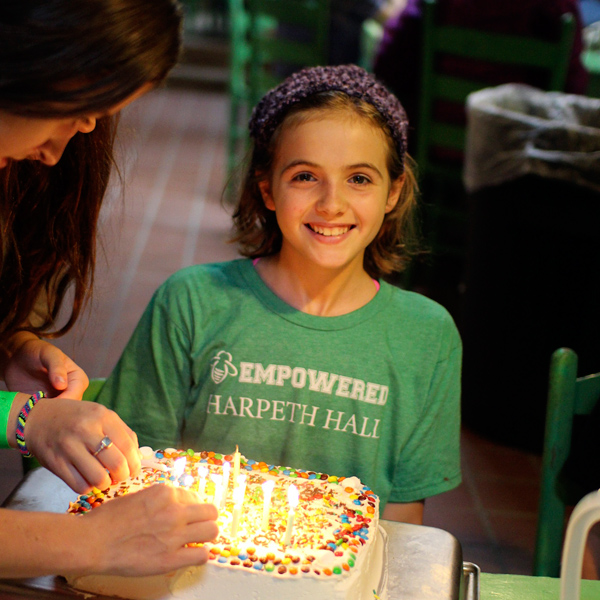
(265, 191)
(394, 193)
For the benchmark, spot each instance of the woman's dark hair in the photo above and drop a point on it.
(65, 58)
(255, 226)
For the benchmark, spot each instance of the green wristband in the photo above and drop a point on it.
(6, 402)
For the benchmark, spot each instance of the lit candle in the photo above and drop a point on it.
(188, 480)
(226, 470)
(293, 502)
(236, 465)
(267, 488)
(218, 480)
(202, 473)
(238, 499)
(241, 483)
(178, 468)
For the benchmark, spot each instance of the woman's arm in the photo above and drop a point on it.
(143, 533)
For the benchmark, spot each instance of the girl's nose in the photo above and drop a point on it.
(331, 201)
(86, 124)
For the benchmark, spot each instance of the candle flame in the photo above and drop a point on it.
(267, 488)
(179, 466)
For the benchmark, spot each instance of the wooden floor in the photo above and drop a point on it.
(168, 216)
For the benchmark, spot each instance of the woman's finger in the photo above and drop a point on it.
(125, 440)
(113, 460)
(200, 532)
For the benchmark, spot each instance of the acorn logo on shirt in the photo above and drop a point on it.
(222, 367)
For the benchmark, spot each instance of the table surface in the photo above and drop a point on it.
(424, 563)
(522, 587)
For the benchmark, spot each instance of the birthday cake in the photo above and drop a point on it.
(283, 533)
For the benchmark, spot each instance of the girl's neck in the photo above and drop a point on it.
(317, 291)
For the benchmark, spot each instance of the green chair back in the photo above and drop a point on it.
(297, 38)
(568, 396)
(239, 94)
(440, 145)
(269, 40)
(552, 57)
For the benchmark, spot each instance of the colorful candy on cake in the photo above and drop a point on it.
(283, 533)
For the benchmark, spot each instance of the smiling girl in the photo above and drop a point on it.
(303, 354)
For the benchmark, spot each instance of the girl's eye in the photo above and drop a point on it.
(303, 177)
(360, 179)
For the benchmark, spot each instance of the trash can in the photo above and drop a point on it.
(532, 281)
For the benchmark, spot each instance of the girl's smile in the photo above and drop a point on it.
(328, 231)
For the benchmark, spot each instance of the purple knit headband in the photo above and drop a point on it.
(349, 79)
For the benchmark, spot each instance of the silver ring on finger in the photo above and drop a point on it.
(105, 443)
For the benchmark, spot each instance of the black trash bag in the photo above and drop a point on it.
(532, 282)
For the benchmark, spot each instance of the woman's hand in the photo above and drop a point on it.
(63, 435)
(138, 534)
(145, 533)
(35, 364)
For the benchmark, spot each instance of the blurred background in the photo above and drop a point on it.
(512, 247)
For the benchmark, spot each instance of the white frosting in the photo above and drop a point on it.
(210, 582)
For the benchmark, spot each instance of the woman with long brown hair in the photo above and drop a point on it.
(66, 70)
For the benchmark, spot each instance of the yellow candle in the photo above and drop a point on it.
(178, 469)
(202, 473)
(238, 499)
(218, 480)
(226, 470)
(236, 465)
(293, 502)
(267, 488)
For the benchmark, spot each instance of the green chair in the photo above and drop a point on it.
(481, 45)
(569, 397)
(439, 144)
(297, 38)
(239, 94)
(269, 39)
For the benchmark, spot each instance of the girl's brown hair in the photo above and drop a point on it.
(255, 226)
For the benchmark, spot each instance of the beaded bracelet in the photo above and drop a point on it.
(33, 399)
